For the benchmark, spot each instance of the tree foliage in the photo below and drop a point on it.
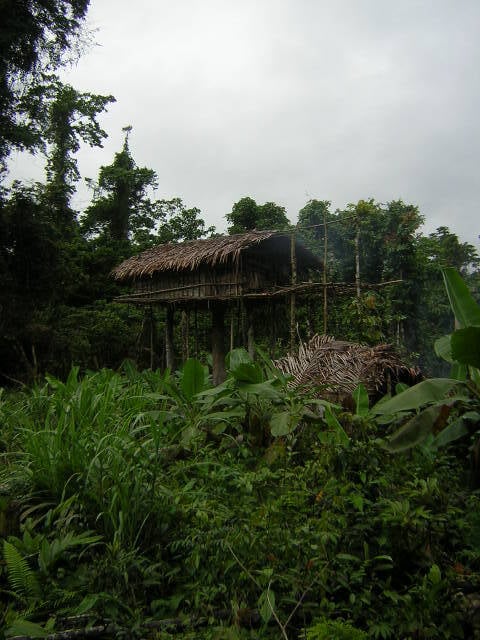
(36, 36)
(247, 215)
(122, 209)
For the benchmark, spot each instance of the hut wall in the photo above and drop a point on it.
(254, 272)
(201, 283)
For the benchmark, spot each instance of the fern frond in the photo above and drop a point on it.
(21, 577)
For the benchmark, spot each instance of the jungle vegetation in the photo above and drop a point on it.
(141, 501)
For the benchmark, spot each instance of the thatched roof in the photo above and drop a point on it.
(210, 252)
(336, 367)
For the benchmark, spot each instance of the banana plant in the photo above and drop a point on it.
(447, 408)
(462, 347)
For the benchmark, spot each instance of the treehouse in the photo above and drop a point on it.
(211, 273)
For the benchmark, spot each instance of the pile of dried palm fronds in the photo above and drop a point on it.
(336, 367)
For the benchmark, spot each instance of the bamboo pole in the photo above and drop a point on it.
(325, 298)
(293, 280)
(357, 259)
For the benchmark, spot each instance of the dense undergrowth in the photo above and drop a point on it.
(243, 511)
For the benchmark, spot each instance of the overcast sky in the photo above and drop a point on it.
(287, 100)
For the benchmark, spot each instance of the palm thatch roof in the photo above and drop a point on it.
(210, 252)
(336, 367)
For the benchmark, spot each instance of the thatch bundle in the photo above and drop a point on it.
(210, 252)
(336, 367)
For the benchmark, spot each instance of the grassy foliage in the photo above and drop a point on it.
(150, 496)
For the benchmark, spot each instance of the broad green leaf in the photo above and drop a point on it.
(475, 375)
(456, 429)
(334, 424)
(283, 423)
(357, 501)
(459, 372)
(360, 397)
(237, 357)
(26, 628)
(464, 307)
(400, 387)
(87, 604)
(466, 346)
(242, 368)
(443, 348)
(434, 575)
(425, 392)
(193, 378)
(414, 431)
(247, 372)
(266, 605)
(264, 389)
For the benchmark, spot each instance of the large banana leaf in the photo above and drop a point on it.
(464, 307)
(443, 348)
(426, 392)
(415, 430)
(242, 368)
(193, 378)
(466, 346)
(360, 396)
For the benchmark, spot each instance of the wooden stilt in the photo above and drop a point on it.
(251, 341)
(169, 350)
(243, 322)
(152, 338)
(218, 346)
(273, 330)
(195, 329)
(184, 325)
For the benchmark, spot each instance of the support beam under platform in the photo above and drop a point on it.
(218, 343)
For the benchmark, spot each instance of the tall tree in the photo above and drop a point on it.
(180, 223)
(247, 215)
(36, 35)
(122, 209)
(70, 119)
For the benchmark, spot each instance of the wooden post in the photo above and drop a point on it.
(293, 265)
(185, 335)
(243, 322)
(251, 341)
(325, 257)
(218, 345)
(195, 329)
(273, 328)
(152, 337)
(169, 351)
(232, 330)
